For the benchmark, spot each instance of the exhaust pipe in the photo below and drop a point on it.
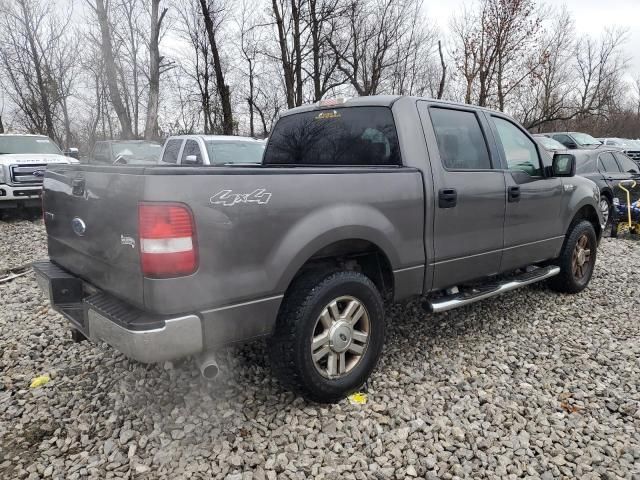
(208, 365)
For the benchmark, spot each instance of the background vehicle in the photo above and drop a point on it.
(125, 152)
(630, 147)
(23, 161)
(574, 140)
(212, 150)
(549, 144)
(607, 168)
(356, 201)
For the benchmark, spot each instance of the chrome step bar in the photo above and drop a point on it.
(459, 300)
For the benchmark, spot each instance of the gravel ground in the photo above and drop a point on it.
(533, 384)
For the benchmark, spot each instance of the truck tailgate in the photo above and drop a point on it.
(91, 219)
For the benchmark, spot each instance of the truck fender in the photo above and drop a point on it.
(326, 226)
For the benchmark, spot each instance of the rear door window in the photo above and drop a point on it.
(348, 136)
(171, 151)
(461, 143)
(626, 164)
(191, 148)
(608, 163)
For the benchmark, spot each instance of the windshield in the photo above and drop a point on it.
(136, 150)
(27, 144)
(584, 139)
(550, 143)
(229, 151)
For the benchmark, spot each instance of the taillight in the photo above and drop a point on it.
(167, 240)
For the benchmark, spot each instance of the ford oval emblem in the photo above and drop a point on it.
(78, 226)
(38, 173)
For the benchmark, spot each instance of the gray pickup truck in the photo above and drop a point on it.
(356, 202)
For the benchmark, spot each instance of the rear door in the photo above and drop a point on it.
(91, 215)
(533, 229)
(611, 170)
(470, 194)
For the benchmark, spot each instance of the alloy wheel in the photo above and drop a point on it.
(340, 337)
(581, 259)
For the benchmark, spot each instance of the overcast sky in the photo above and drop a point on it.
(591, 16)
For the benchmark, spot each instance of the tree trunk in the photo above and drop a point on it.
(43, 86)
(295, 15)
(287, 69)
(111, 72)
(153, 105)
(1, 125)
(223, 88)
(315, 48)
(250, 100)
(443, 77)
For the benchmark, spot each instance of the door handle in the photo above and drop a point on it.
(447, 198)
(513, 194)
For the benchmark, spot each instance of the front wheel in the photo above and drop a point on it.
(577, 259)
(605, 209)
(329, 335)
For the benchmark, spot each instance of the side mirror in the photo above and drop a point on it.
(564, 165)
(120, 161)
(190, 160)
(571, 145)
(73, 153)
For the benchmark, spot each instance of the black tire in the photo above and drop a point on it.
(607, 223)
(568, 281)
(614, 230)
(290, 346)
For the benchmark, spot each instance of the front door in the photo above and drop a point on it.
(468, 217)
(533, 228)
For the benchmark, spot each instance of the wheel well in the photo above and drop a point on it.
(588, 213)
(606, 193)
(358, 255)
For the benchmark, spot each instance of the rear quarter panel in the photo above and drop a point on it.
(251, 250)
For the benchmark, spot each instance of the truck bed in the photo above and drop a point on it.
(255, 227)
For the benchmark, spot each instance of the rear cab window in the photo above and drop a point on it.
(347, 136)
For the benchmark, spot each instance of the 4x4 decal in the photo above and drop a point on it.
(228, 198)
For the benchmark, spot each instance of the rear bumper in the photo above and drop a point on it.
(100, 317)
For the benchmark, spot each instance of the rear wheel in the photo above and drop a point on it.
(577, 259)
(329, 335)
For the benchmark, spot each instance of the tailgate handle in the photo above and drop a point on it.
(77, 186)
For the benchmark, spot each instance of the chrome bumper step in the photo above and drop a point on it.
(449, 302)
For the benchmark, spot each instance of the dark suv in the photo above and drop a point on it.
(575, 140)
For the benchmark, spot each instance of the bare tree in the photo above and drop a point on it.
(491, 45)
(36, 57)
(155, 61)
(368, 39)
(209, 13)
(110, 68)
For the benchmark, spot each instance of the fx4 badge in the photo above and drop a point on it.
(228, 198)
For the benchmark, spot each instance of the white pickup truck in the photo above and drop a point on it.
(23, 161)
